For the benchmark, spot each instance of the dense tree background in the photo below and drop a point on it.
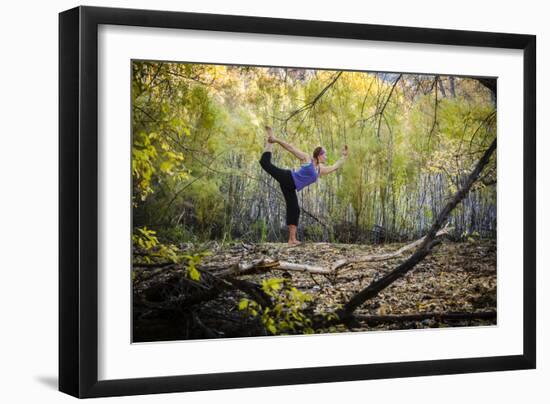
(198, 135)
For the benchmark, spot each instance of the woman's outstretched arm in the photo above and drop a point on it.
(303, 157)
(329, 169)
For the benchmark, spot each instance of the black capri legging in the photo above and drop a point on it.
(285, 180)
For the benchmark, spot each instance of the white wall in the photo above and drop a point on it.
(28, 203)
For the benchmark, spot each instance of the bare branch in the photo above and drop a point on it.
(312, 103)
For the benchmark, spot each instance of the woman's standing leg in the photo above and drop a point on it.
(292, 213)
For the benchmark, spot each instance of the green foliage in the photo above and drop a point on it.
(151, 249)
(208, 204)
(470, 237)
(260, 228)
(145, 238)
(148, 249)
(287, 315)
(177, 234)
(192, 261)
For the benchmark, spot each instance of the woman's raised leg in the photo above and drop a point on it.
(280, 174)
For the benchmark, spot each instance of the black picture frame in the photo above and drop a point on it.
(78, 201)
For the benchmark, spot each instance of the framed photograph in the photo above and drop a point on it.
(249, 201)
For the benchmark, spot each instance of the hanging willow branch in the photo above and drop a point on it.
(312, 103)
(381, 112)
(434, 123)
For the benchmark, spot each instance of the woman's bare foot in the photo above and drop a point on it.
(270, 137)
(268, 146)
(292, 231)
(269, 140)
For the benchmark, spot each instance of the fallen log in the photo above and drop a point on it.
(267, 263)
(383, 257)
(289, 266)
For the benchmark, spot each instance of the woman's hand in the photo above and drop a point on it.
(329, 169)
(345, 151)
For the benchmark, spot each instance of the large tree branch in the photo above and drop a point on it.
(425, 246)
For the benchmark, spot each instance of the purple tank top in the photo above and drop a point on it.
(305, 175)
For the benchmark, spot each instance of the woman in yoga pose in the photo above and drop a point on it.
(292, 181)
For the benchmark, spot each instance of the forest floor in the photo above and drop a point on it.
(458, 277)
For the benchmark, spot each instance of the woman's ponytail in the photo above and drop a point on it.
(318, 150)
